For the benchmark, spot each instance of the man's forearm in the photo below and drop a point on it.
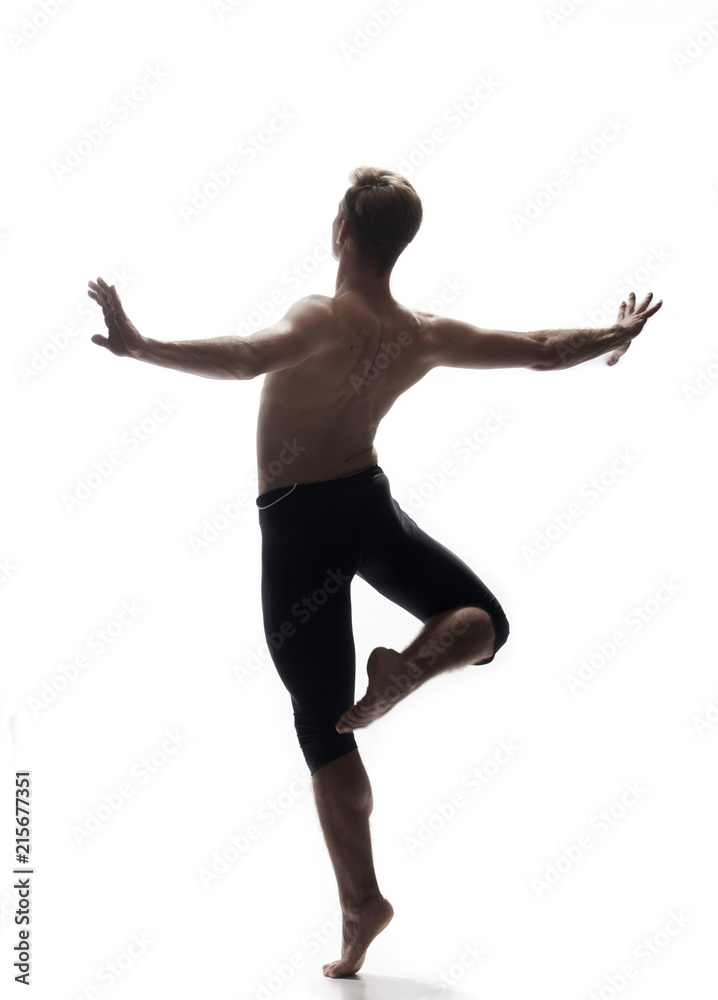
(219, 357)
(567, 348)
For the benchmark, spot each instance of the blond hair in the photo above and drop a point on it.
(384, 214)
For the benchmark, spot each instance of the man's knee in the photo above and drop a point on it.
(320, 747)
(499, 628)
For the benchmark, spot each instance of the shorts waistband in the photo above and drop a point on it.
(272, 496)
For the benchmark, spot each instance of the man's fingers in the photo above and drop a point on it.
(107, 297)
(102, 341)
(618, 354)
(644, 314)
(622, 311)
(98, 294)
(116, 302)
(110, 308)
(103, 291)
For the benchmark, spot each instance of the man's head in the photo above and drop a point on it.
(379, 215)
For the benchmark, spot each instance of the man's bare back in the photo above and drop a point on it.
(328, 407)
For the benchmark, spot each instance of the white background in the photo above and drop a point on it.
(641, 214)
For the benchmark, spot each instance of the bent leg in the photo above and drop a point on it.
(416, 571)
(463, 621)
(449, 640)
(452, 639)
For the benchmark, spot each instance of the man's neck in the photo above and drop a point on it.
(364, 283)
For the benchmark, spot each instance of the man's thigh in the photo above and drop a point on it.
(417, 572)
(307, 568)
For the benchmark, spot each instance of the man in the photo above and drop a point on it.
(334, 367)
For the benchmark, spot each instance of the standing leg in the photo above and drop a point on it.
(310, 556)
(344, 802)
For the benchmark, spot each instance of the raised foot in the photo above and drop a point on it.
(359, 928)
(391, 678)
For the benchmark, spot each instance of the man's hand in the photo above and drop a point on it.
(632, 321)
(123, 338)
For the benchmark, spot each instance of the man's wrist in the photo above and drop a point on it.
(147, 350)
(573, 347)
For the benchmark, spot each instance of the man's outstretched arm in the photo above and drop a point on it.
(460, 345)
(288, 342)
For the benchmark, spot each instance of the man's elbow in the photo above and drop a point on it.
(248, 364)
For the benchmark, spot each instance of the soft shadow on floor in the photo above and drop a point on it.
(364, 987)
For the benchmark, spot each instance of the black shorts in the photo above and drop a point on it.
(315, 538)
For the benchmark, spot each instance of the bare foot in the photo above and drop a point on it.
(391, 678)
(360, 926)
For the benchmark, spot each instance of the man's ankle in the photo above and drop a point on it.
(359, 901)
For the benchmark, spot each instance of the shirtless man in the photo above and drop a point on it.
(334, 366)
